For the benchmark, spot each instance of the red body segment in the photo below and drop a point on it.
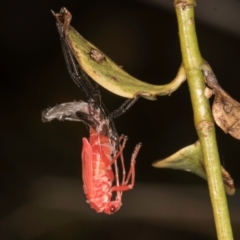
(103, 149)
(100, 155)
(98, 177)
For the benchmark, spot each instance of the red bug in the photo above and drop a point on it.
(102, 151)
(99, 154)
(98, 176)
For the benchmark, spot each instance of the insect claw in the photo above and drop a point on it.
(123, 137)
(136, 150)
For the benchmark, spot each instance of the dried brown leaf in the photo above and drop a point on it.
(226, 110)
(226, 113)
(228, 182)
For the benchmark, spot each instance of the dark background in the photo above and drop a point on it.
(144, 39)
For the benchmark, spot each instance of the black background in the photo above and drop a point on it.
(142, 38)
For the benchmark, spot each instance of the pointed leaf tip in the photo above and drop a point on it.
(190, 159)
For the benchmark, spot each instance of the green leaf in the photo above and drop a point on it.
(108, 74)
(190, 159)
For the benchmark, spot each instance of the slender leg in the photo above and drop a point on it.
(118, 112)
(124, 107)
(119, 153)
(123, 169)
(131, 174)
(116, 173)
(121, 147)
(77, 74)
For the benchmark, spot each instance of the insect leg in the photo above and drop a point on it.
(122, 163)
(124, 107)
(131, 174)
(121, 147)
(118, 112)
(77, 74)
(116, 173)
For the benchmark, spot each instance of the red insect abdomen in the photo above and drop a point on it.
(97, 172)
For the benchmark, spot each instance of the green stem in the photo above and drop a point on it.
(192, 62)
